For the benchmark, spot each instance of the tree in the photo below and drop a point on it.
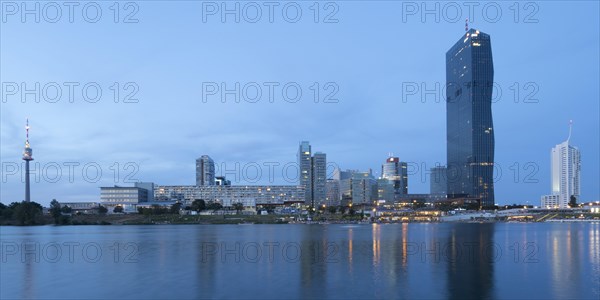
(27, 213)
(198, 205)
(175, 208)
(102, 210)
(5, 212)
(332, 209)
(118, 209)
(214, 206)
(66, 209)
(572, 201)
(238, 206)
(55, 210)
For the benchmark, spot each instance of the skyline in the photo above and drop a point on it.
(369, 120)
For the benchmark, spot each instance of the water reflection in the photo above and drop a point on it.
(455, 261)
(29, 282)
(470, 256)
(206, 263)
(313, 268)
(594, 250)
(566, 259)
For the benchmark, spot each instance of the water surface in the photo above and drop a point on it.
(456, 261)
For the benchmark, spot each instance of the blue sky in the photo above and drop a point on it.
(372, 52)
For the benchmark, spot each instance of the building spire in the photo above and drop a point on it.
(570, 129)
(467, 24)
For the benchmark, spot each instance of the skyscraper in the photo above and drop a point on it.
(319, 178)
(565, 163)
(27, 156)
(437, 181)
(363, 188)
(205, 171)
(305, 170)
(469, 125)
(397, 172)
(332, 192)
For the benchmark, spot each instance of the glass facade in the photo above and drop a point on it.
(397, 173)
(319, 178)
(205, 171)
(437, 181)
(305, 170)
(470, 135)
(123, 195)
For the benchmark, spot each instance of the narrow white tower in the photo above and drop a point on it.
(27, 156)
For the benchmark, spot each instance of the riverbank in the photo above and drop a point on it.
(140, 219)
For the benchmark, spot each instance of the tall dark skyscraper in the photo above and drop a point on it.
(469, 125)
(27, 157)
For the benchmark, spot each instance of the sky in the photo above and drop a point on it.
(358, 79)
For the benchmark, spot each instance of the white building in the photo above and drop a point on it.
(566, 172)
(249, 195)
(126, 197)
(550, 201)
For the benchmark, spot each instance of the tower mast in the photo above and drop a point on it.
(27, 156)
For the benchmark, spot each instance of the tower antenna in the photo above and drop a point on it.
(27, 130)
(467, 24)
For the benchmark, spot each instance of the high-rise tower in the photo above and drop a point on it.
(27, 156)
(397, 173)
(205, 171)
(305, 170)
(319, 178)
(565, 165)
(469, 125)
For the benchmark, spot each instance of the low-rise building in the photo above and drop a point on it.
(229, 194)
(81, 207)
(124, 196)
(550, 201)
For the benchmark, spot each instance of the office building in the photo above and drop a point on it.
(126, 197)
(397, 173)
(385, 190)
(305, 170)
(319, 178)
(469, 124)
(205, 171)
(332, 193)
(148, 186)
(357, 188)
(438, 185)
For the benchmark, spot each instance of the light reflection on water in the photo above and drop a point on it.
(455, 261)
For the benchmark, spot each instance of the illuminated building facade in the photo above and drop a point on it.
(469, 124)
